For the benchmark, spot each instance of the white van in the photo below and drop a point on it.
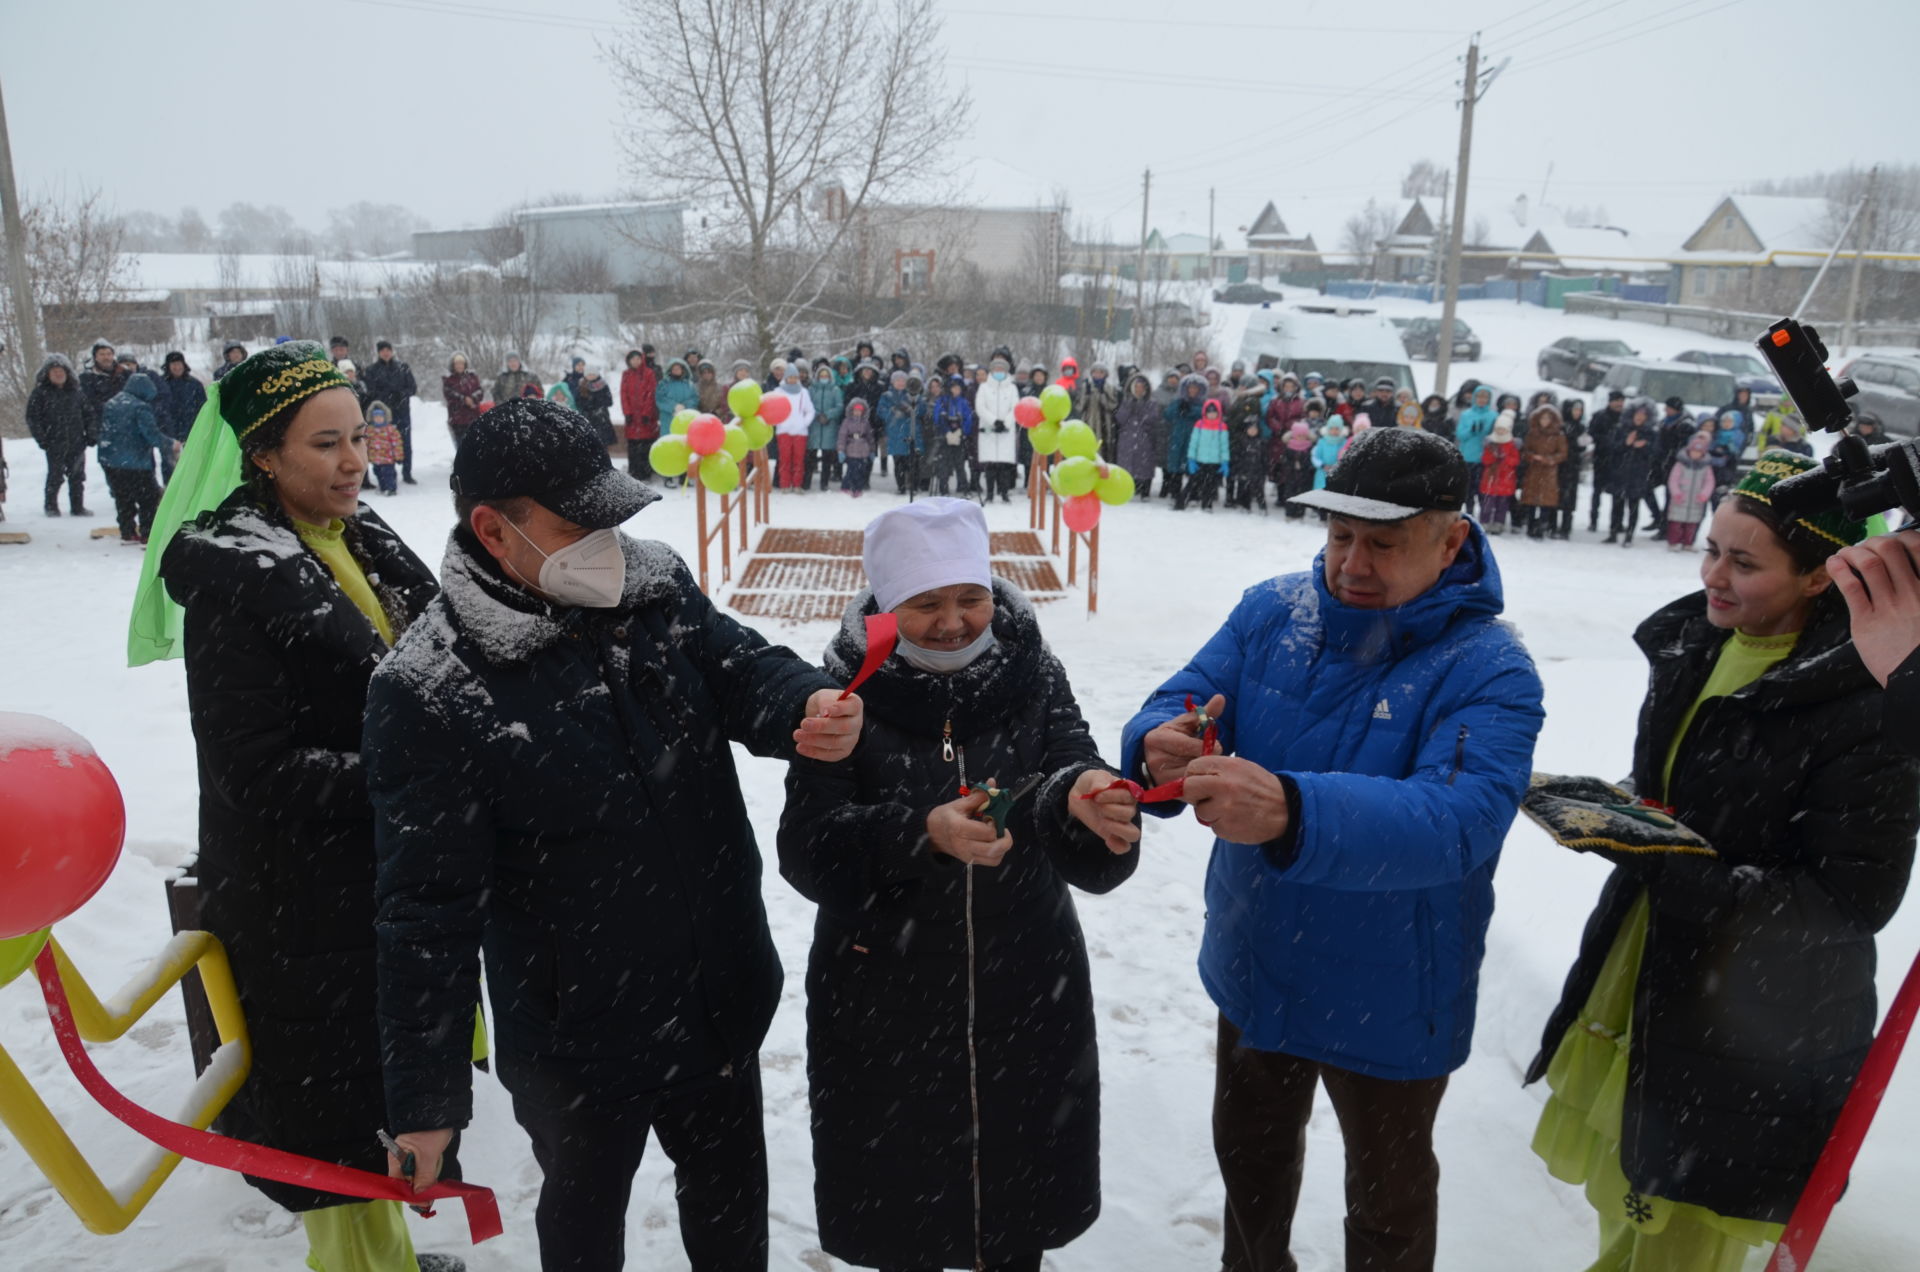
(1704, 389)
(1340, 346)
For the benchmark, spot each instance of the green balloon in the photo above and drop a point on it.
(759, 432)
(1055, 403)
(683, 420)
(1073, 477)
(736, 444)
(18, 952)
(720, 473)
(1116, 487)
(744, 398)
(1077, 438)
(670, 455)
(1045, 438)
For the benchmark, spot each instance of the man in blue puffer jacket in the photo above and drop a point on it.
(1376, 724)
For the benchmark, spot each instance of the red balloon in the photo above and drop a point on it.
(1027, 412)
(707, 435)
(775, 407)
(64, 824)
(1081, 513)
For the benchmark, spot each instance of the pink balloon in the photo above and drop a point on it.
(1081, 513)
(1027, 412)
(775, 407)
(707, 435)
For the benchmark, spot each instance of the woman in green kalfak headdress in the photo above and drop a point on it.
(283, 592)
(1722, 1003)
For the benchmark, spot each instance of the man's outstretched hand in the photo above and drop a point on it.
(1171, 747)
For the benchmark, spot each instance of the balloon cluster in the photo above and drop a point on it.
(713, 448)
(1083, 480)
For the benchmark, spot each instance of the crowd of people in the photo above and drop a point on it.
(1238, 439)
(525, 765)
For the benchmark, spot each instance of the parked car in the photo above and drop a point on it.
(1749, 372)
(1704, 389)
(1173, 313)
(1580, 362)
(1421, 336)
(1890, 388)
(1246, 294)
(1298, 339)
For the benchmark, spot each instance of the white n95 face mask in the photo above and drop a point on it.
(944, 662)
(590, 572)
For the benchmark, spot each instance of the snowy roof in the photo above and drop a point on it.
(596, 209)
(1783, 224)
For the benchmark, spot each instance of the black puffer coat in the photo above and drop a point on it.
(1755, 1002)
(557, 784)
(1902, 708)
(887, 980)
(58, 417)
(277, 666)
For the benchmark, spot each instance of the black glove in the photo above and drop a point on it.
(999, 426)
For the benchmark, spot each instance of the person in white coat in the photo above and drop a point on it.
(791, 433)
(998, 431)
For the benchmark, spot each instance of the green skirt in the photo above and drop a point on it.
(1579, 1134)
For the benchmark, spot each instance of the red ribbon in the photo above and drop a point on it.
(483, 1212)
(1829, 1178)
(1209, 736)
(1145, 795)
(883, 633)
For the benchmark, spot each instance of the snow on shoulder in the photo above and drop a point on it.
(20, 731)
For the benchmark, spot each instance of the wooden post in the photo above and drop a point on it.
(1073, 558)
(1093, 571)
(700, 524)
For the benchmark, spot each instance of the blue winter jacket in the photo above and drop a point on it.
(1408, 736)
(1181, 415)
(129, 429)
(1470, 435)
(829, 404)
(896, 414)
(180, 400)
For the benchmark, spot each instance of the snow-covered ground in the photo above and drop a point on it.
(1167, 580)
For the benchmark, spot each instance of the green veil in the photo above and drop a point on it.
(209, 470)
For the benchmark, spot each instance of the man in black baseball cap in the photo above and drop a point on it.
(549, 754)
(1376, 729)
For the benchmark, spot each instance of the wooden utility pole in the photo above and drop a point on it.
(1140, 264)
(1456, 232)
(1860, 243)
(26, 322)
(1209, 233)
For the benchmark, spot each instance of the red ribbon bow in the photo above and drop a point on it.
(883, 633)
(483, 1212)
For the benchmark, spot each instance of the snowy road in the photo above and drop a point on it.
(63, 604)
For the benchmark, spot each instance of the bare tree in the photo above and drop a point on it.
(78, 271)
(1424, 179)
(473, 310)
(373, 229)
(1361, 233)
(191, 231)
(750, 109)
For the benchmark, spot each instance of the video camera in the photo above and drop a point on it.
(1859, 479)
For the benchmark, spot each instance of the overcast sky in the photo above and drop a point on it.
(459, 109)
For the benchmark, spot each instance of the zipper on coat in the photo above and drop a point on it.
(958, 757)
(1459, 755)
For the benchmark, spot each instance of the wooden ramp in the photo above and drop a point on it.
(807, 576)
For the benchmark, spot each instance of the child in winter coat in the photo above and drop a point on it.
(896, 422)
(1475, 423)
(1326, 451)
(1360, 425)
(854, 443)
(1293, 474)
(829, 404)
(129, 435)
(1499, 474)
(385, 450)
(1209, 457)
(791, 433)
(1729, 444)
(563, 395)
(952, 427)
(1690, 487)
(1247, 427)
(1409, 416)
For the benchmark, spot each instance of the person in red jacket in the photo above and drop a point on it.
(1069, 377)
(637, 384)
(1499, 475)
(1286, 407)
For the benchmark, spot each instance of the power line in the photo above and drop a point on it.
(1570, 51)
(1103, 19)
